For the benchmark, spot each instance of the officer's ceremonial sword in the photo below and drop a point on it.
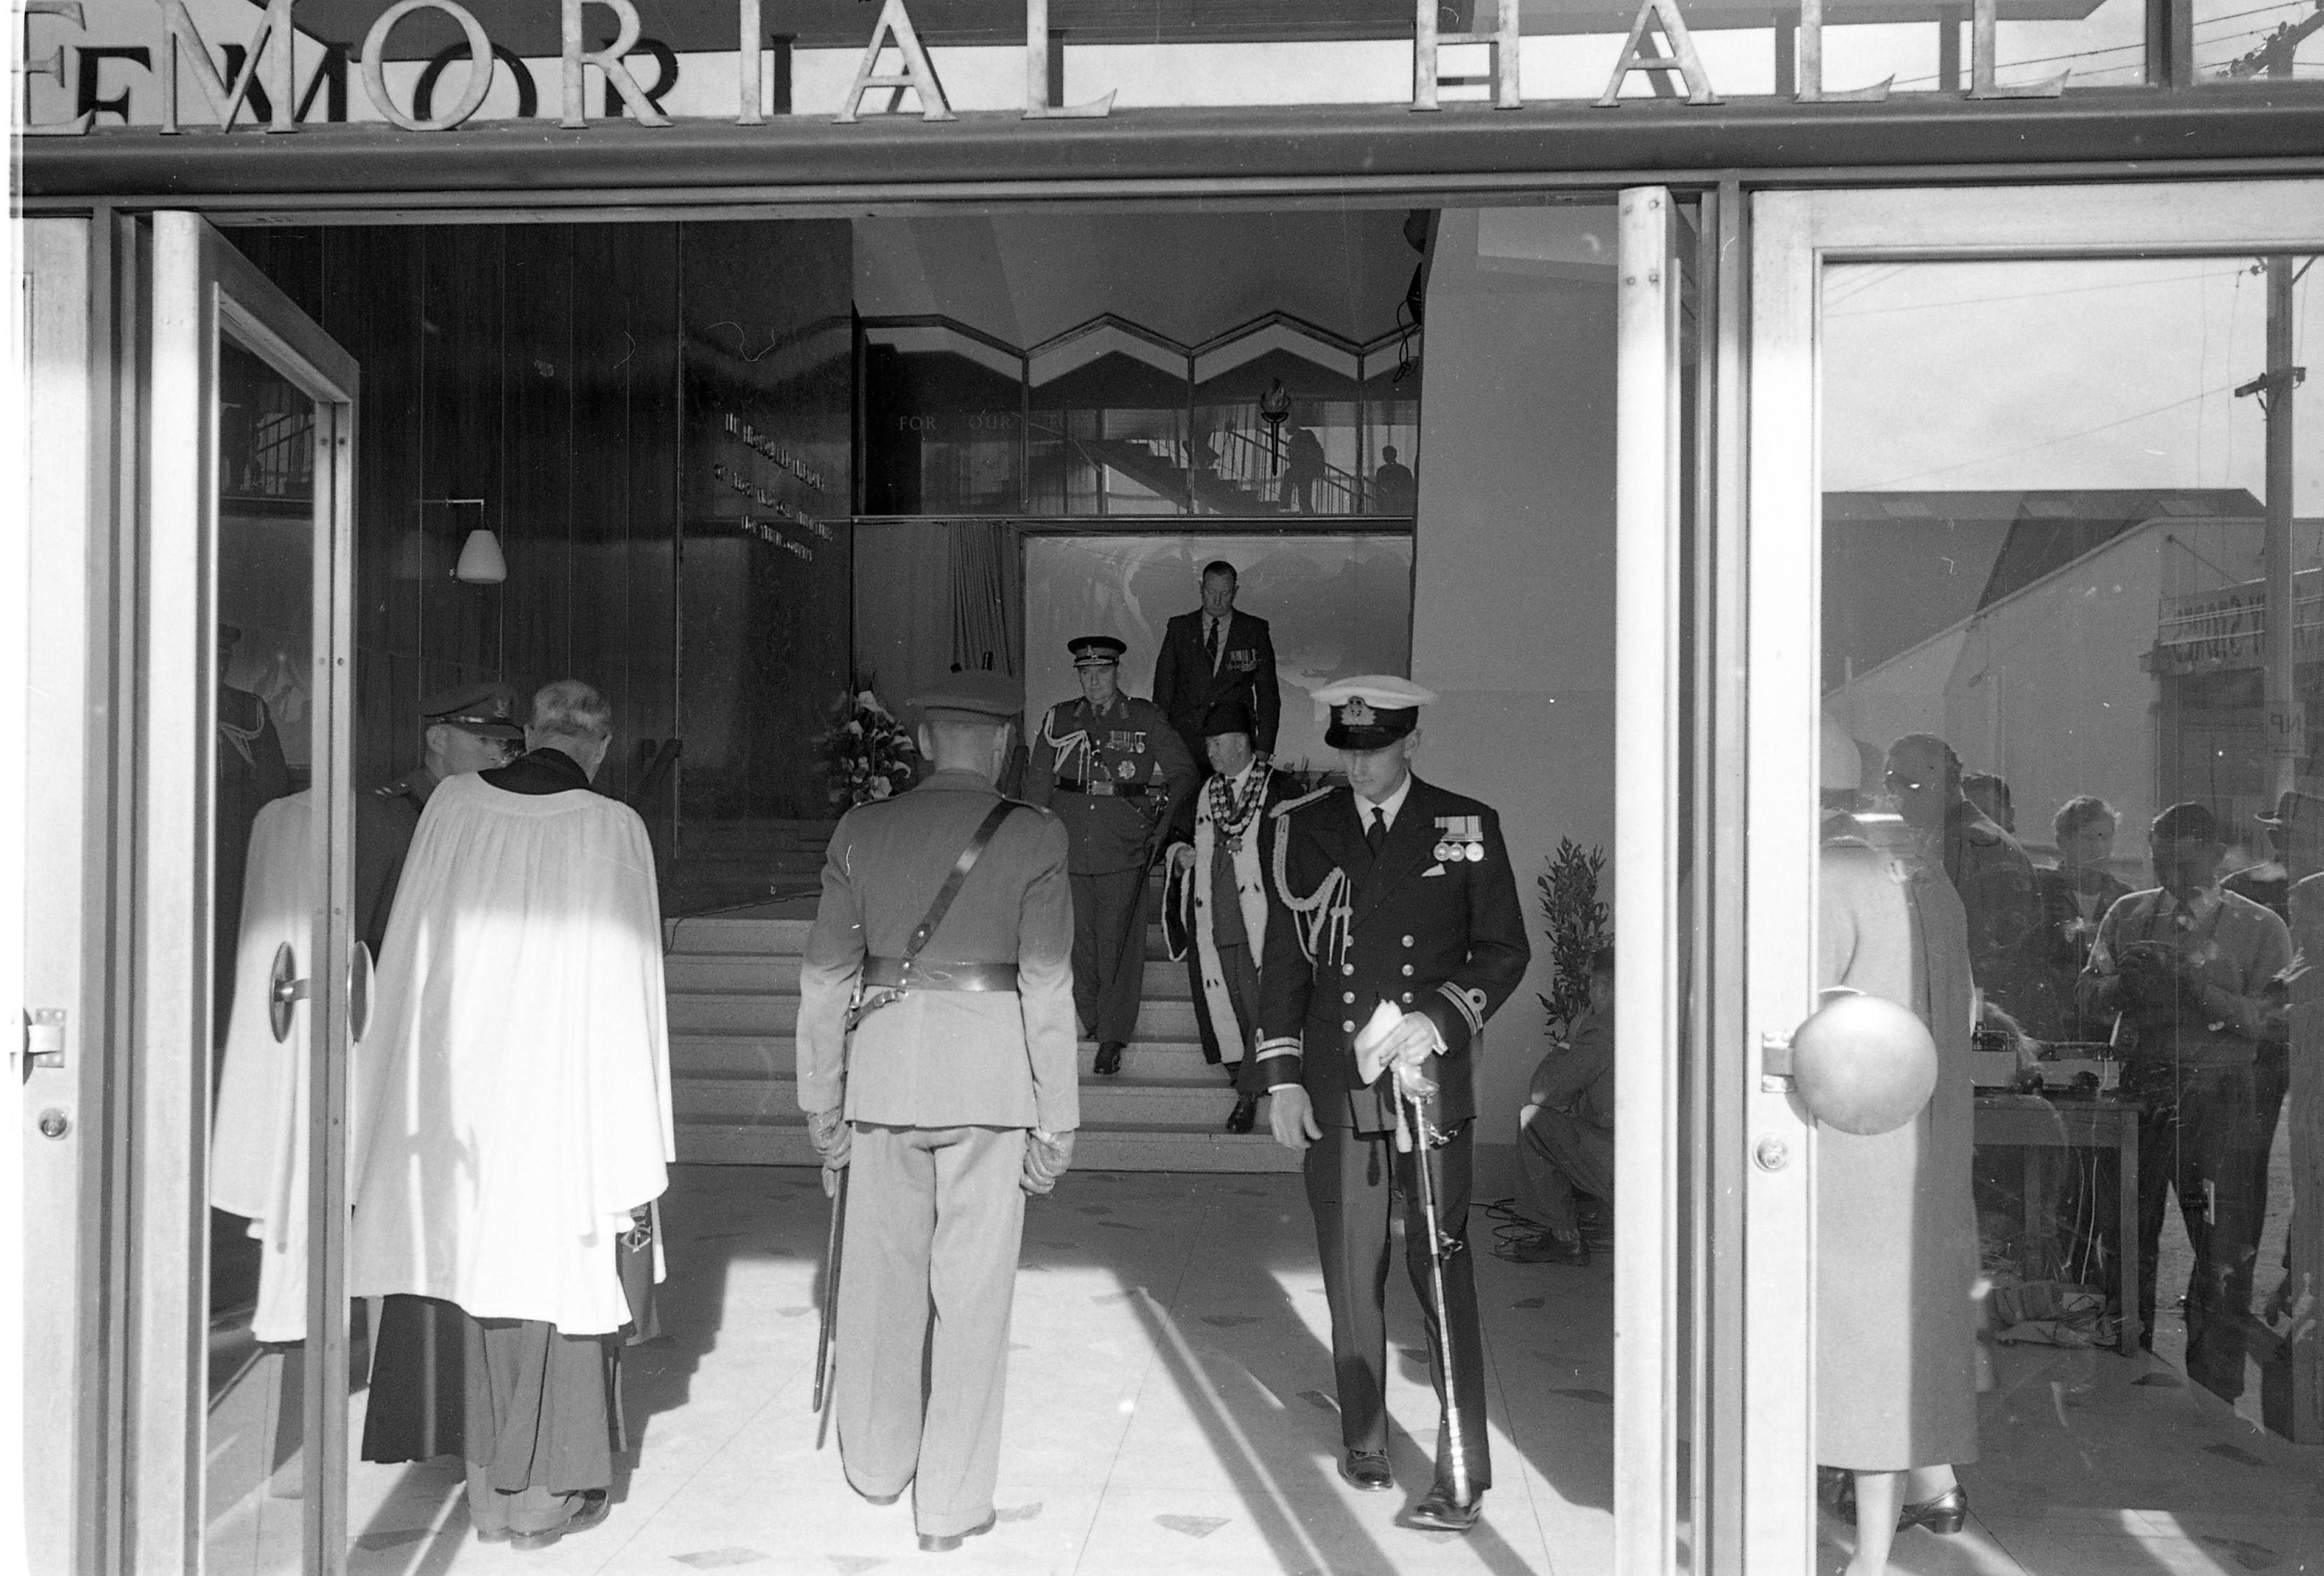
(1424, 1140)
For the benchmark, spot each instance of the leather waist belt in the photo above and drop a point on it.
(1099, 788)
(919, 975)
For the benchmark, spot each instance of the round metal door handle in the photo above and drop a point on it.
(54, 1123)
(284, 990)
(1771, 1154)
(359, 992)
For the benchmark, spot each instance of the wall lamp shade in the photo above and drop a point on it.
(481, 563)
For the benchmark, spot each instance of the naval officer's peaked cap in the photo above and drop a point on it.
(1372, 710)
(974, 695)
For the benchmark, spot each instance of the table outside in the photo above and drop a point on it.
(2035, 1124)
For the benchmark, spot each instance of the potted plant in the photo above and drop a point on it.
(867, 754)
(1577, 929)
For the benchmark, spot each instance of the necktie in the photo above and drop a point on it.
(1376, 834)
(1210, 644)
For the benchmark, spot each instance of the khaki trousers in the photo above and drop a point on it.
(935, 1218)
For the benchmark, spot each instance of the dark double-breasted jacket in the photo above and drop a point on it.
(1424, 928)
(1188, 683)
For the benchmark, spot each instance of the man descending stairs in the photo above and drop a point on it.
(733, 1002)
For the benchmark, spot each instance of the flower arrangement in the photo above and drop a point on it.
(1577, 929)
(867, 754)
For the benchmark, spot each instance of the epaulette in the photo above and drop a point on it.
(1287, 806)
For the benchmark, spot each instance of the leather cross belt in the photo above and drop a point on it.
(1098, 788)
(919, 975)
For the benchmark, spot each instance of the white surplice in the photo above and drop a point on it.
(513, 1099)
(258, 1133)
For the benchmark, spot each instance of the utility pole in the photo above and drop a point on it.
(2286, 731)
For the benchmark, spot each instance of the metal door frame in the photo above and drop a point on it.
(199, 288)
(1792, 236)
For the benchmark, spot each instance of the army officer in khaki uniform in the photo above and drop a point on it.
(467, 729)
(1115, 770)
(953, 1096)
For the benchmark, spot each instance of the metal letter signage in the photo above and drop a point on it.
(374, 64)
(607, 59)
(1682, 58)
(1811, 65)
(51, 65)
(1500, 42)
(182, 42)
(920, 71)
(1037, 72)
(1985, 49)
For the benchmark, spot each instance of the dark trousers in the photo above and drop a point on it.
(1559, 1156)
(2271, 1081)
(2196, 1133)
(1350, 1176)
(1110, 952)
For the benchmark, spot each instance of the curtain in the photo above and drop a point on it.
(983, 635)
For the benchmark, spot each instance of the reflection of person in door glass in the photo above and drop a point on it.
(1303, 471)
(1896, 1246)
(2195, 974)
(1984, 862)
(251, 773)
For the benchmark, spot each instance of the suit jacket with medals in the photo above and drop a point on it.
(1186, 686)
(1445, 937)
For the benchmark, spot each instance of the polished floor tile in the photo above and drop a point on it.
(1171, 1410)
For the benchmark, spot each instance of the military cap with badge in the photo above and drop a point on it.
(483, 709)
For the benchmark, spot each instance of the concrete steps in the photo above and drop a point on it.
(733, 1007)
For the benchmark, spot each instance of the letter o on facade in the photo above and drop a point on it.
(480, 65)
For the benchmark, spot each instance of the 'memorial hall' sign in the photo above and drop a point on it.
(255, 86)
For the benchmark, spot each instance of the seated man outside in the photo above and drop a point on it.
(1567, 1147)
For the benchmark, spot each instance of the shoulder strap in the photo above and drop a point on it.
(960, 869)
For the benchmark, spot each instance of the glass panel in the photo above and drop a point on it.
(1924, 45)
(2238, 40)
(2061, 829)
(265, 893)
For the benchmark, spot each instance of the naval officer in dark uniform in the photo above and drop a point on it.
(1115, 770)
(1390, 891)
(469, 729)
(948, 1093)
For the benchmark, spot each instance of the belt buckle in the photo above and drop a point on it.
(1101, 788)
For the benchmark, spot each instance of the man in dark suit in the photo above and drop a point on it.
(1390, 892)
(1215, 654)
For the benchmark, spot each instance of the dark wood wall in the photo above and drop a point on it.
(543, 369)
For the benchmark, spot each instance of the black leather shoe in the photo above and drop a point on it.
(1944, 1515)
(1244, 1114)
(944, 1543)
(1109, 1059)
(1368, 1470)
(1439, 1511)
(595, 1506)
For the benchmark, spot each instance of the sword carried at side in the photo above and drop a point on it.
(1412, 1100)
(832, 1247)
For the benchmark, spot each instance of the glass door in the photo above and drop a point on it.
(247, 977)
(2035, 1206)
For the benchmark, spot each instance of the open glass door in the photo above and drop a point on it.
(2035, 522)
(247, 978)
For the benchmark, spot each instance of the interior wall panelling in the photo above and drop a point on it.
(536, 470)
(765, 614)
(648, 578)
(461, 409)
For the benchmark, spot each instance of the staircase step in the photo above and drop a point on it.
(712, 1054)
(764, 937)
(730, 974)
(1106, 1103)
(754, 1012)
(1143, 1149)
